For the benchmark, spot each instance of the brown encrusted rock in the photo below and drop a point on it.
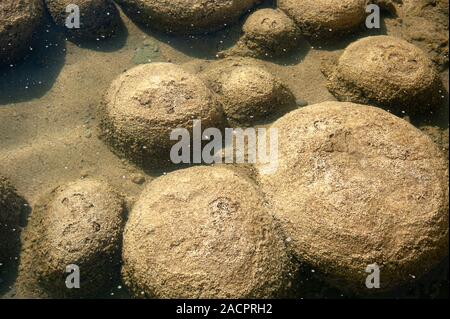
(144, 105)
(357, 186)
(388, 72)
(204, 232)
(267, 33)
(78, 224)
(325, 18)
(187, 16)
(249, 92)
(425, 24)
(99, 19)
(18, 21)
(12, 208)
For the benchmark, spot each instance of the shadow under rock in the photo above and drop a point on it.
(35, 75)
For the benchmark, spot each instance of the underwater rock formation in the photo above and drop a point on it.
(249, 93)
(358, 186)
(325, 18)
(145, 104)
(267, 33)
(79, 224)
(388, 72)
(204, 232)
(18, 22)
(187, 16)
(12, 208)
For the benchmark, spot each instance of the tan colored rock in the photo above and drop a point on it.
(187, 16)
(204, 232)
(387, 72)
(325, 18)
(267, 33)
(357, 186)
(249, 92)
(79, 224)
(144, 105)
(18, 22)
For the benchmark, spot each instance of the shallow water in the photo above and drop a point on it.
(48, 120)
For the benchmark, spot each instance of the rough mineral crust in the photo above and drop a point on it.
(145, 104)
(204, 232)
(249, 92)
(18, 22)
(358, 186)
(99, 19)
(388, 72)
(325, 18)
(79, 224)
(187, 16)
(267, 33)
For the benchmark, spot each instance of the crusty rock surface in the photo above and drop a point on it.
(99, 19)
(249, 92)
(78, 224)
(12, 208)
(204, 232)
(388, 72)
(357, 186)
(144, 105)
(187, 16)
(18, 21)
(267, 33)
(325, 18)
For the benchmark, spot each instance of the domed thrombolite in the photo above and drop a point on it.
(187, 16)
(204, 232)
(19, 20)
(248, 91)
(79, 224)
(388, 72)
(99, 19)
(12, 209)
(145, 104)
(266, 33)
(356, 186)
(325, 18)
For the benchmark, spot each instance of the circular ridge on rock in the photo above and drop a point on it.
(388, 72)
(187, 16)
(325, 18)
(248, 91)
(267, 33)
(19, 20)
(144, 105)
(358, 186)
(79, 224)
(204, 232)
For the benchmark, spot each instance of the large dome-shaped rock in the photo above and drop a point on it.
(187, 16)
(388, 72)
(99, 19)
(79, 224)
(144, 105)
(204, 232)
(249, 92)
(18, 21)
(325, 18)
(358, 186)
(12, 209)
